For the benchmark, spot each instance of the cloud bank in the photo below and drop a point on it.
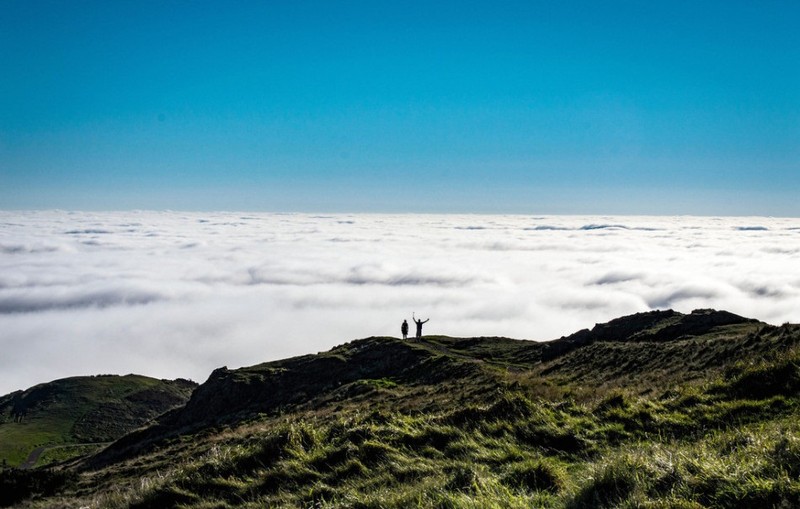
(172, 294)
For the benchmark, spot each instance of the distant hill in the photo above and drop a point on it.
(658, 409)
(82, 410)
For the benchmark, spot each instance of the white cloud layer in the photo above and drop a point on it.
(172, 294)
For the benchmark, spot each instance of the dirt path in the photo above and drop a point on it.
(35, 454)
(33, 457)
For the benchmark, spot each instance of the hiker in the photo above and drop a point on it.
(404, 329)
(419, 325)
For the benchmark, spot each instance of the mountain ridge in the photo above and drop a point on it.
(467, 422)
(235, 395)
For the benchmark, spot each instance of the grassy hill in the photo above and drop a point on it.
(659, 410)
(59, 415)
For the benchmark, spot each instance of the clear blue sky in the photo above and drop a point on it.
(687, 107)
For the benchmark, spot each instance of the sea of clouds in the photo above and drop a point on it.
(174, 294)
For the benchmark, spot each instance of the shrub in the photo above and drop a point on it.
(535, 475)
(510, 406)
(616, 400)
(289, 476)
(265, 454)
(785, 456)
(212, 487)
(610, 486)
(463, 478)
(333, 457)
(372, 452)
(765, 380)
(167, 496)
(353, 468)
(748, 492)
(551, 438)
(432, 436)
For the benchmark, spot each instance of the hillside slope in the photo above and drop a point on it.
(660, 343)
(658, 409)
(82, 410)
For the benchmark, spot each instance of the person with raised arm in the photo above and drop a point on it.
(419, 325)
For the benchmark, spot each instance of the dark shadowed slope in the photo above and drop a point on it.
(333, 380)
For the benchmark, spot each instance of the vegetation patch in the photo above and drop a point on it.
(536, 475)
(672, 420)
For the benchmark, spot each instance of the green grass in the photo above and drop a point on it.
(16, 442)
(474, 457)
(80, 409)
(59, 453)
(479, 433)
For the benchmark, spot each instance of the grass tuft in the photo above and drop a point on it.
(536, 475)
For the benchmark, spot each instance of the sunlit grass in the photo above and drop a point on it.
(504, 443)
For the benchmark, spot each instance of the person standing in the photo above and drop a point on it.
(419, 325)
(404, 329)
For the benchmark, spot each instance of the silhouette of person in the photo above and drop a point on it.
(404, 329)
(419, 325)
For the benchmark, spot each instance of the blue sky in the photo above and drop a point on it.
(623, 107)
